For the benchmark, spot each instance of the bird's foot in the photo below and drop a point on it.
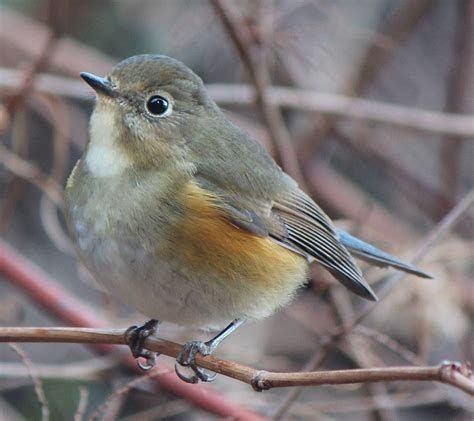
(186, 359)
(136, 336)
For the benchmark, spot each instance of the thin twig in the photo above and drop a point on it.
(361, 354)
(83, 370)
(453, 373)
(52, 226)
(45, 83)
(161, 411)
(37, 383)
(17, 99)
(82, 405)
(28, 171)
(388, 342)
(15, 186)
(121, 392)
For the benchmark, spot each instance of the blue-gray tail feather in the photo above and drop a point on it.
(374, 255)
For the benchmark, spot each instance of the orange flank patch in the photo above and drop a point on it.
(209, 243)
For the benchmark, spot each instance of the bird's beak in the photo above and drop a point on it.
(101, 85)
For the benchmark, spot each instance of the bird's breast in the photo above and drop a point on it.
(206, 241)
(193, 267)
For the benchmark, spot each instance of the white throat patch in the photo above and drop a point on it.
(104, 158)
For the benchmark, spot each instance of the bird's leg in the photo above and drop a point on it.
(186, 357)
(136, 336)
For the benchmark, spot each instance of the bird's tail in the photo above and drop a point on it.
(374, 255)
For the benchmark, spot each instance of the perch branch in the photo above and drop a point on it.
(455, 374)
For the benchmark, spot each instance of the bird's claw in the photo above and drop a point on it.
(150, 358)
(186, 359)
(135, 337)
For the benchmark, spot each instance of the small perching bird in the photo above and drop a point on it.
(183, 216)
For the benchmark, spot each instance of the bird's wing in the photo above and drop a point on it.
(310, 230)
(262, 199)
(296, 222)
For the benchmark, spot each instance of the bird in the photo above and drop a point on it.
(186, 218)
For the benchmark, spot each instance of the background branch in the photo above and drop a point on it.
(308, 100)
(24, 169)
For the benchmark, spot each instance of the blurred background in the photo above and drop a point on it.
(368, 103)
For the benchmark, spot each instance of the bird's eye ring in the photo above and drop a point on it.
(158, 106)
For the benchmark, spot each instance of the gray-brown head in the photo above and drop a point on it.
(147, 107)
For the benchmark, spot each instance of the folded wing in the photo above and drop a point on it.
(310, 232)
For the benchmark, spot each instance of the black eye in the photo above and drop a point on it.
(157, 105)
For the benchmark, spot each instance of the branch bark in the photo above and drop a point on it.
(453, 373)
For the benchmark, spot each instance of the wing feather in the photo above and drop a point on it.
(296, 222)
(311, 231)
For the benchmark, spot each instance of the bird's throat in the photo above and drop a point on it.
(104, 156)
